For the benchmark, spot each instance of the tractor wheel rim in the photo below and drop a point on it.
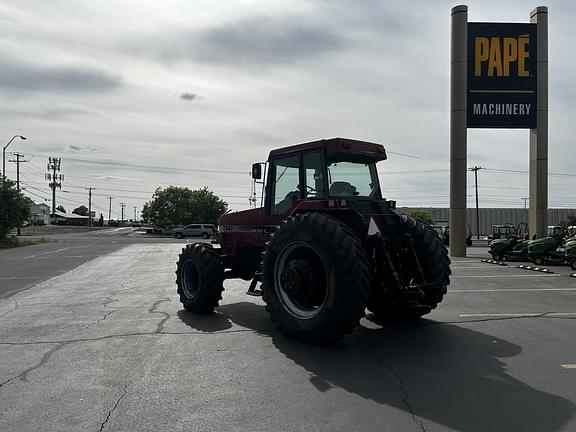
(190, 279)
(300, 280)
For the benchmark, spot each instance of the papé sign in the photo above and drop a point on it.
(501, 89)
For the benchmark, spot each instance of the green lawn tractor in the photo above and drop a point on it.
(570, 252)
(509, 249)
(548, 250)
(508, 243)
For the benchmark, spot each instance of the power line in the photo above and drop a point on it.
(153, 167)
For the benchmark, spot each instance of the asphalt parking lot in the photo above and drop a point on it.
(106, 346)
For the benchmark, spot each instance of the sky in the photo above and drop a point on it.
(134, 95)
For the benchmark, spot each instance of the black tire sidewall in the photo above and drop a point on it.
(206, 262)
(347, 274)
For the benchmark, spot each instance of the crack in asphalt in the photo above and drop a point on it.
(152, 310)
(105, 316)
(103, 425)
(162, 333)
(8, 380)
(24, 374)
(406, 400)
(270, 331)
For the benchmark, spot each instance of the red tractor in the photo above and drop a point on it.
(326, 245)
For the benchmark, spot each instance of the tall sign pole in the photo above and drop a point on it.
(499, 80)
(458, 133)
(538, 212)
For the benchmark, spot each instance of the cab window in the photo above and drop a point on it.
(285, 187)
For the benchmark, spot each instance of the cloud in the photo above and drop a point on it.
(189, 97)
(251, 42)
(261, 40)
(28, 77)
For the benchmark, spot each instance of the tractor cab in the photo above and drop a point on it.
(334, 169)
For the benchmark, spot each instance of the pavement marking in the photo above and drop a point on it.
(546, 275)
(569, 366)
(533, 314)
(512, 290)
(478, 267)
(46, 253)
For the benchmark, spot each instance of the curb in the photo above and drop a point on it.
(493, 262)
(538, 269)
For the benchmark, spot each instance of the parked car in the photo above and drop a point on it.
(202, 230)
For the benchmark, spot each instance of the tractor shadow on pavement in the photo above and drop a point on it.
(438, 372)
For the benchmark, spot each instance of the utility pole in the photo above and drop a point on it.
(134, 220)
(54, 179)
(525, 199)
(90, 189)
(123, 206)
(476, 169)
(18, 156)
(110, 209)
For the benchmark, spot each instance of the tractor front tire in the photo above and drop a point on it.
(199, 276)
(433, 257)
(316, 278)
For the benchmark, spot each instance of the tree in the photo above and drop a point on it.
(82, 210)
(180, 206)
(14, 208)
(422, 216)
(61, 208)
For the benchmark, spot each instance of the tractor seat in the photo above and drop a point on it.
(342, 189)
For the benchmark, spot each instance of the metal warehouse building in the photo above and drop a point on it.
(493, 216)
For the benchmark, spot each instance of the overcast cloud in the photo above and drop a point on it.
(133, 95)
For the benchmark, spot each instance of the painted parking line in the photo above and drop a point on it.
(46, 253)
(569, 366)
(531, 314)
(545, 275)
(511, 290)
(479, 267)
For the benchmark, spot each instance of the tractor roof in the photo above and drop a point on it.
(340, 149)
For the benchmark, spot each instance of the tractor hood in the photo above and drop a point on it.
(499, 242)
(244, 217)
(546, 241)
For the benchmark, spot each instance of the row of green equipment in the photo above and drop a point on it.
(559, 247)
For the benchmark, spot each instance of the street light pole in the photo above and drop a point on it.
(4, 155)
(475, 169)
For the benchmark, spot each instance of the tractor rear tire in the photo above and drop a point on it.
(433, 257)
(200, 276)
(316, 279)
